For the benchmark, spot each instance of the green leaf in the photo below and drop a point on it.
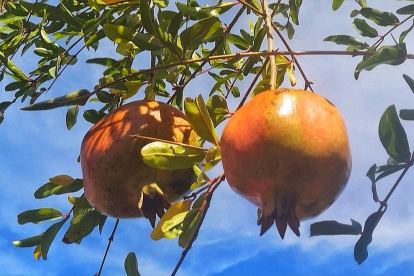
(79, 97)
(199, 32)
(190, 223)
(38, 215)
(409, 81)
(404, 33)
(107, 62)
(336, 4)
(171, 157)
(175, 209)
(173, 228)
(346, 40)
(205, 12)
(80, 202)
(392, 55)
(390, 170)
(213, 157)
(117, 33)
(217, 109)
(290, 30)
(49, 236)
(331, 227)
(93, 116)
(83, 228)
(13, 68)
(146, 17)
(131, 265)
(147, 42)
(362, 27)
(50, 188)
(380, 18)
(71, 116)
(407, 114)
(362, 3)
(238, 41)
(197, 114)
(294, 10)
(406, 10)
(371, 175)
(29, 242)
(393, 136)
(361, 247)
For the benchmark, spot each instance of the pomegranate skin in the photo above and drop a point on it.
(115, 178)
(287, 152)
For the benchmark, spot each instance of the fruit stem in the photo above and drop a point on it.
(203, 211)
(167, 141)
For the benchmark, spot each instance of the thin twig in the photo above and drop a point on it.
(270, 46)
(390, 30)
(110, 240)
(203, 62)
(384, 202)
(252, 84)
(216, 182)
(167, 141)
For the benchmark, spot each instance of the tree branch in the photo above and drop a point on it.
(270, 46)
(110, 240)
(209, 194)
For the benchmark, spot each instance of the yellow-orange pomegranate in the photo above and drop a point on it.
(287, 151)
(116, 180)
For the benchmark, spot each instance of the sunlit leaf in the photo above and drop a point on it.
(393, 136)
(171, 157)
(50, 188)
(204, 12)
(131, 265)
(199, 118)
(79, 97)
(29, 242)
(117, 33)
(16, 71)
(62, 179)
(80, 202)
(38, 215)
(217, 109)
(213, 157)
(331, 227)
(294, 10)
(200, 31)
(177, 208)
(38, 252)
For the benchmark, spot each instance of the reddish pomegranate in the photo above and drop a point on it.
(116, 180)
(287, 152)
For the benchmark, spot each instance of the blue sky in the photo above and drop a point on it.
(36, 145)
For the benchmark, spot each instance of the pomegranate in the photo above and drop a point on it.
(116, 181)
(287, 152)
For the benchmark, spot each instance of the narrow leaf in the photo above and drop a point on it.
(49, 236)
(79, 97)
(331, 227)
(50, 188)
(117, 33)
(146, 17)
(409, 81)
(407, 114)
(404, 33)
(29, 242)
(197, 114)
(346, 40)
(336, 4)
(362, 27)
(380, 18)
(38, 215)
(406, 10)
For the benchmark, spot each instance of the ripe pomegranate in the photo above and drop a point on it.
(287, 152)
(116, 180)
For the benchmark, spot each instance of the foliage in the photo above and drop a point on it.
(182, 40)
